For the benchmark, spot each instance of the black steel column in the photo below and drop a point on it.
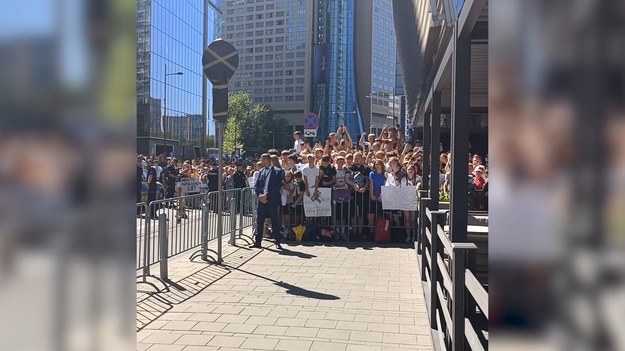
(460, 104)
(435, 140)
(426, 151)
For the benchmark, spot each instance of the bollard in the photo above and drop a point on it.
(205, 215)
(233, 221)
(162, 244)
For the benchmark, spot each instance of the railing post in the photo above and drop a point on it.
(242, 205)
(146, 253)
(233, 220)
(422, 196)
(163, 245)
(458, 312)
(434, 303)
(205, 215)
(421, 246)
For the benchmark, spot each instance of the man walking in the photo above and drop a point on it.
(267, 190)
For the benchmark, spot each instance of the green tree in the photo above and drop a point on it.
(239, 107)
(254, 126)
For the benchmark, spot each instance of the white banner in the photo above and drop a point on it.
(250, 181)
(310, 133)
(318, 206)
(399, 198)
(189, 186)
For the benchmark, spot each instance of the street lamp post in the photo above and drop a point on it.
(165, 108)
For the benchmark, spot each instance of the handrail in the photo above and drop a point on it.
(447, 282)
(471, 335)
(477, 291)
(448, 320)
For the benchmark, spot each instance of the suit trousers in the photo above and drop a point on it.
(268, 210)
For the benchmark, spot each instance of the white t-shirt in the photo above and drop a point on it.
(406, 182)
(297, 145)
(312, 174)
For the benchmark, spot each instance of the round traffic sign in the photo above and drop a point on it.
(311, 120)
(220, 60)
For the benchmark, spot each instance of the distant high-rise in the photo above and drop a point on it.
(324, 56)
(274, 42)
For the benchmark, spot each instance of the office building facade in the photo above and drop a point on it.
(324, 56)
(170, 38)
(274, 44)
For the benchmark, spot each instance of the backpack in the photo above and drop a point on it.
(359, 179)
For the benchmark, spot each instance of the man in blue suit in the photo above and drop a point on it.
(267, 189)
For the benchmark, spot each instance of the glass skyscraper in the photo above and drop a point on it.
(170, 41)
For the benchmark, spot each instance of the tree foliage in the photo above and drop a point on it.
(254, 126)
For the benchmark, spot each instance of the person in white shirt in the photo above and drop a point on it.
(297, 145)
(410, 217)
(311, 176)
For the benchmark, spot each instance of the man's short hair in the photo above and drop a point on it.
(297, 174)
(273, 152)
(297, 132)
(267, 156)
(285, 153)
(325, 158)
(311, 156)
(293, 157)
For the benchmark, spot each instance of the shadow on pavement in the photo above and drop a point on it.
(292, 289)
(287, 252)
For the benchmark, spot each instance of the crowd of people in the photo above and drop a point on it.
(355, 173)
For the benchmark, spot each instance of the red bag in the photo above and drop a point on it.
(383, 231)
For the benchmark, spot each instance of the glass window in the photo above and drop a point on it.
(299, 71)
(268, 99)
(268, 82)
(260, 7)
(278, 98)
(288, 98)
(258, 74)
(268, 91)
(259, 16)
(268, 65)
(258, 58)
(258, 66)
(279, 81)
(288, 89)
(288, 81)
(249, 25)
(259, 41)
(279, 73)
(299, 98)
(258, 49)
(269, 74)
(269, 57)
(279, 64)
(289, 64)
(260, 24)
(299, 80)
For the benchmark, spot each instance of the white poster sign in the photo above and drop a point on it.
(189, 186)
(310, 133)
(318, 206)
(250, 181)
(399, 198)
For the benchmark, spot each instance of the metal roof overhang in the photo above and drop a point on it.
(472, 23)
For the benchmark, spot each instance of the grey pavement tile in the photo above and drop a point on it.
(321, 323)
(311, 315)
(356, 326)
(179, 325)
(200, 348)
(333, 334)
(383, 328)
(293, 345)
(335, 316)
(210, 326)
(166, 348)
(204, 317)
(328, 346)
(259, 343)
(302, 331)
(270, 330)
(262, 320)
(366, 336)
(226, 341)
(351, 347)
(240, 328)
(199, 340)
(232, 318)
(161, 338)
(255, 311)
(395, 338)
(176, 316)
(143, 347)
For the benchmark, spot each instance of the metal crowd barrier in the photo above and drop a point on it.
(355, 218)
(172, 226)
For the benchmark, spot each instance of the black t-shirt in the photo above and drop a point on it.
(170, 176)
(213, 179)
(139, 178)
(152, 184)
(326, 174)
(239, 180)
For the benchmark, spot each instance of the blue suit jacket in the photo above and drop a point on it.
(274, 186)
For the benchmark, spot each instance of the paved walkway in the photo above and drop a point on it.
(304, 298)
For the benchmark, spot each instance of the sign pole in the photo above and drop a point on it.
(220, 60)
